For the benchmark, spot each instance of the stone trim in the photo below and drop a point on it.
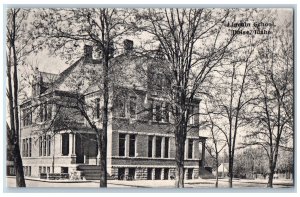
(150, 166)
(149, 158)
(152, 134)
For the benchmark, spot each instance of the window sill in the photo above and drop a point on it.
(150, 158)
(142, 120)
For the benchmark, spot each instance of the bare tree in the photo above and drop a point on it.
(274, 82)
(232, 91)
(99, 27)
(19, 43)
(193, 43)
(217, 139)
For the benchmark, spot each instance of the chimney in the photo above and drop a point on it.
(88, 51)
(128, 45)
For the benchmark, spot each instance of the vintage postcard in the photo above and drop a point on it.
(165, 97)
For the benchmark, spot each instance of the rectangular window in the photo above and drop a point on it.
(26, 147)
(190, 149)
(49, 111)
(131, 173)
(121, 173)
(150, 142)
(41, 113)
(29, 149)
(158, 146)
(27, 117)
(48, 145)
(23, 147)
(65, 144)
(122, 139)
(40, 146)
(132, 146)
(45, 112)
(132, 107)
(152, 111)
(190, 173)
(29, 170)
(30, 116)
(64, 170)
(97, 108)
(166, 112)
(48, 169)
(158, 173)
(192, 114)
(149, 173)
(44, 146)
(166, 147)
(166, 173)
(120, 103)
(159, 81)
(158, 112)
(24, 117)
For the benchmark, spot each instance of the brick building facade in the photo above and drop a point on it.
(141, 144)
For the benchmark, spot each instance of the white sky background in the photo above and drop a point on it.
(55, 64)
(44, 63)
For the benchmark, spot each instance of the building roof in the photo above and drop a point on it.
(62, 76)
(130, 68)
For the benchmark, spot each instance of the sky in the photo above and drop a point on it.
(55, 64)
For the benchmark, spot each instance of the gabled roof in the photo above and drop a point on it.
(62, 76)
(131, 70)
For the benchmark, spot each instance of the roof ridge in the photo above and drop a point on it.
(67, 71)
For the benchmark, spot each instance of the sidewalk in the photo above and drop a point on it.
(195, 183)
(54, 181)
(287, 182)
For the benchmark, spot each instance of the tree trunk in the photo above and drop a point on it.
(272, 171)
(179, 157)
(102, 162)
(270, 179)
(230, 171)
(217, 179)
(20, 180)
(217, 171)
(18, 164)
(17, 156)
(103, 135)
